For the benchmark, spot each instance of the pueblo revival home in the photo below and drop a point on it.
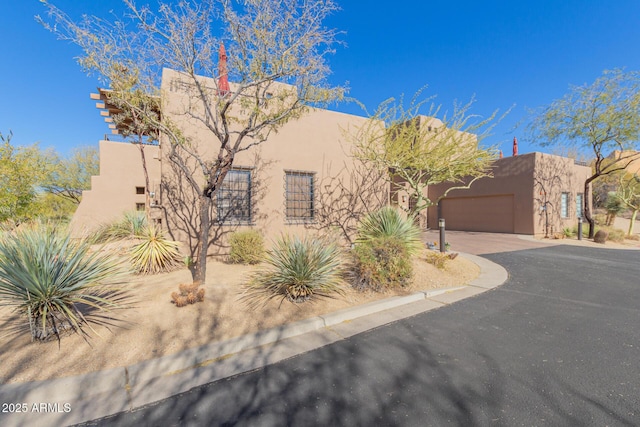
(304, 177)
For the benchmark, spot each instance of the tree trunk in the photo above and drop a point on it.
(587, 209)
(632, 222)
(147, 199)
(199, 272)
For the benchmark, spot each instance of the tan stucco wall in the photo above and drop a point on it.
(314, 143)
(634, 164)
(113, 191)
(556, 175)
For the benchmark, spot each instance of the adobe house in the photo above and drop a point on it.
(292, 183)
(536, 194)
(303, 178)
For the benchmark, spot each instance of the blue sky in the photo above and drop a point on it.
(507, 53)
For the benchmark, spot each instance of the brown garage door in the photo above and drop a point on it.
(490, 213)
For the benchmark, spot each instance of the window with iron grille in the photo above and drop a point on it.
(564, 205)
(299, 196)
(579, 204)
(234, 197)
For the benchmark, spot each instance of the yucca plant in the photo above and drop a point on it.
(388, 222)
(298, 270)
(132, 224)
(57, 283)
(155, 253)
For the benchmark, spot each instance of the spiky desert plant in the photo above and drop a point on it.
(298, 270)
(189, 294)
(187, 288)
(180, 301)
(132, 224)
(155, 253)
(388, 222)
(57, 283)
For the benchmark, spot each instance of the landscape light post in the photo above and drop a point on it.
(580, 228)
(443, 243)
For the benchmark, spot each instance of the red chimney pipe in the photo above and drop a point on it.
(515, 146)
(223, 80)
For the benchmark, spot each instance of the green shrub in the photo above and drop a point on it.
(57, 283)
(616, 235)
(600, 219)
(438, 259)
(388, 222)
(155, 253)
(298, 270)
(568, 232)
(380, 263)
(132, 224)
(247, 247)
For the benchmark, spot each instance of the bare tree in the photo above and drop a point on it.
(276, 70)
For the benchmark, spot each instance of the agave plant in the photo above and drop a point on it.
(387, 222)
(57, 283)
(155, 253)
(298, 270)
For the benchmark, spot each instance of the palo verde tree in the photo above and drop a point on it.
(71, 175)
(600, 118)
(628, 193)
(22, 171)
(419, 151)
(270, 44)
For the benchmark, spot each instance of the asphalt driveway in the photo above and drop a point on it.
(558, 344)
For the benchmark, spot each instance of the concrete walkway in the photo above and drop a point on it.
(81, 398)
(478, 243)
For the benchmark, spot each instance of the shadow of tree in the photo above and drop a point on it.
(552, 177)
(345, 196)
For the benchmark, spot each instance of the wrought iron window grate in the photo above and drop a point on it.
(299, 196)
(234, 197)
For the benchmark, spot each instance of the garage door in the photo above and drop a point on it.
(490, 213)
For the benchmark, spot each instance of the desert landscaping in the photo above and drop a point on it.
(155, 327)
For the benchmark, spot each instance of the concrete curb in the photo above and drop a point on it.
(81, 398)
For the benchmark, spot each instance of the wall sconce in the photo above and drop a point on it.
(404, 199)
(152, 194)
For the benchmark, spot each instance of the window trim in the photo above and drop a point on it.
(290, 219)
(232, 219)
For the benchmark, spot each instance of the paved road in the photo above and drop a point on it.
(558, 344)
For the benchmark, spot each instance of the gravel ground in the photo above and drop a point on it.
(155, 327)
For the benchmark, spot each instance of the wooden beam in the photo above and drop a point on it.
(112, 126)
(94, 96)
(115, 132)
(104, 113)
(108, 119)
(100, 105)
